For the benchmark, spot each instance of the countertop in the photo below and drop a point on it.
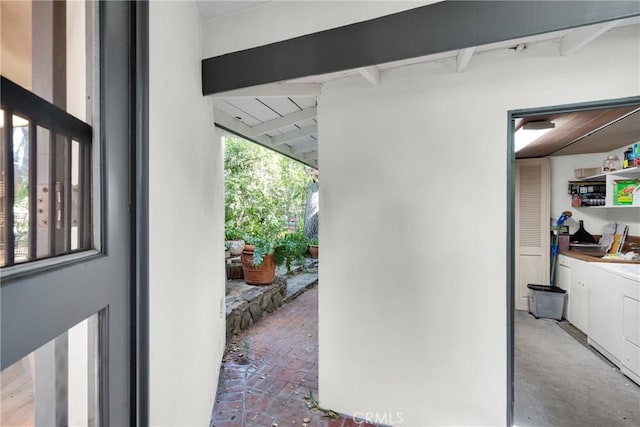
(629, 271)
(588, 258)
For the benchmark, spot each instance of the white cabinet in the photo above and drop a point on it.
(578, 300)
(605, 314)
(563, 280)
(630, 355)
(614, 315)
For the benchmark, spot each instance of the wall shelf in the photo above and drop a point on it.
(609, 178)
(611, 207)
(629, 172)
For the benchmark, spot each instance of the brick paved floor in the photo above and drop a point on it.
(270, 368)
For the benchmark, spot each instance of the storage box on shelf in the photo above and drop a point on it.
(590, 188)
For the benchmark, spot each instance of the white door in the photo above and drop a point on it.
(532, 227)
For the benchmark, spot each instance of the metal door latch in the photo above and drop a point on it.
(43, 205)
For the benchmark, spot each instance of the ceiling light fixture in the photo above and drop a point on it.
(530, 132)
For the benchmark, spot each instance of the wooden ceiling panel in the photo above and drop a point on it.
(573, 132)
(619, 134)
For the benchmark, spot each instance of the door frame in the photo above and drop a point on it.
(122, 81)
(139, 188)
(511, 216)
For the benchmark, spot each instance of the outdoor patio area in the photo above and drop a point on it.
(269, 375)
(247, 304)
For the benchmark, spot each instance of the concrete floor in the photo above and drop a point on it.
(560, 382)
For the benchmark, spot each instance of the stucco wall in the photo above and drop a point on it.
(280, 20)
(185, 224)
(413, 274)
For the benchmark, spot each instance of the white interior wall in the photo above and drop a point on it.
(412, 311)
(563, 171)
(185, 224)
(280, 20)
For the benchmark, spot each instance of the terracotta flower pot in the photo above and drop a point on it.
(258, 275)
(313, 250)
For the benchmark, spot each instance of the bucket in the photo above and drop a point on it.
(546, 301)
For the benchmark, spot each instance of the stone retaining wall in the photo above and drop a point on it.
(246, 304)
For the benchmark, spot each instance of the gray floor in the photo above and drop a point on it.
(560, 382)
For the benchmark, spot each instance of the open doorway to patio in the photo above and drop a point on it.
(271, 221)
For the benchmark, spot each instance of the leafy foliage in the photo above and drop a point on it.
(231, 232)
(286, 248)
(263, 190)
(291, 247)
(263, 247)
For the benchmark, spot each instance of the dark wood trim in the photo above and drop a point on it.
(59, 54)
(41, 112)
(511, 196)
(511, 264)
(435, 28)
(139, 190)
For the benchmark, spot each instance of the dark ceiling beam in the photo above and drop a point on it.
(426, 30)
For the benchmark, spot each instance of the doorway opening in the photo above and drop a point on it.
(271, 222)
(574, 355)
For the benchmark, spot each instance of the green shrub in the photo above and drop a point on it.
(286, 248)
(263, 189)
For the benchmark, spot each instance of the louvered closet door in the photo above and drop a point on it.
(532, 226)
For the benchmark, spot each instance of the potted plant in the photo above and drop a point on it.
(313, 248)
(227, 250)
(263, 253)
(234, 237)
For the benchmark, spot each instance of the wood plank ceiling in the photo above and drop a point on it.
(594, 131)
(282, 116)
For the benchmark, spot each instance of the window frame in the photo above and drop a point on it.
(93, 180)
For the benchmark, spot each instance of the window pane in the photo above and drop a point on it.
(55, 384)
(21, 192)
(47, 48)
(75, 212)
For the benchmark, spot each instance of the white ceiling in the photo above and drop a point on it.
(282, 116)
